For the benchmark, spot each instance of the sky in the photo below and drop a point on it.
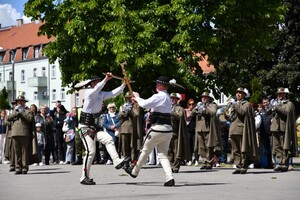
(10, 11)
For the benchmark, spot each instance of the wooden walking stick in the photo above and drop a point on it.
(127, 81)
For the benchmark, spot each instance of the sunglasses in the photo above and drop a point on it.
(111, 107)
(191, 104)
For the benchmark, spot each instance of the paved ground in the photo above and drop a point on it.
(62, 182)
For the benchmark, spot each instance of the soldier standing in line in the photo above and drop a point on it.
(131, 129)
(179, 150)
(242, 132)
(22, 119)
(208, 130)
(283, 129)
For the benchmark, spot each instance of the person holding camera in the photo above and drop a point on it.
(22, 119)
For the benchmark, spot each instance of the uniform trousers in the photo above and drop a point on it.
(240, 158)
(21, 152)
(90, 146)
(278, 143)
(206, 153)
(162, 141)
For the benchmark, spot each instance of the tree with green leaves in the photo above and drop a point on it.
(152, 36)
(4, 104)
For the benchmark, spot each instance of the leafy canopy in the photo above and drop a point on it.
(152, 35)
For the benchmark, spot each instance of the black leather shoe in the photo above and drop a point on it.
(87, 181)
(128, 170)
(236, 172)
(284, 169)
(170, 183)
(78, 162)
(126, 160)
(12, 169)
(203, 167)
(18, 172)
(208, 167)
(277, 169)
(24, 171)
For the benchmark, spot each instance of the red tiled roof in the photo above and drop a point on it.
(18, 37)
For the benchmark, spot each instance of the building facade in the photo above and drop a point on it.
(25, 70)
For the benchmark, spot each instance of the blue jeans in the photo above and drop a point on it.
(41, 149)
(69, 151)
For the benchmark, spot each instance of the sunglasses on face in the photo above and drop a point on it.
(111, 107)
(191, 104)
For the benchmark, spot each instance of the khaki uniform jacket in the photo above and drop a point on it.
(132, 123)
(284, 120)
(181, 147)
(209, 122)
(22, 123)
(244, 123)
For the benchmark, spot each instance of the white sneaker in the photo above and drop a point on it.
(109, 162)
(41, 164)
(61, 162)
(189, 163)
(234, 166)
(196, 163)
(218, 165)
(6, 162)
(35, 164)
(251, 166)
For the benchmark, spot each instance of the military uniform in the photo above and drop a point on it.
(283, 130)
(208, 131)
(242, 133)
(22, 119)
(131, 129)
(179, 146)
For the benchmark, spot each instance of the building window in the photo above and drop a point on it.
(12, 56)
(36, 52)
(35, 72)
(2, 57)
(43, 51)
(10, 76)
(23, 76)
(63, 94)
(44, 71)
(76, 99)
(53, 95)
(24, 53)
(45, 95)
(53, 69)
(35, 95)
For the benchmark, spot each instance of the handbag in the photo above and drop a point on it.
(69, 135)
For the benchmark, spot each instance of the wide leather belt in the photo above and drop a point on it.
(160, 118)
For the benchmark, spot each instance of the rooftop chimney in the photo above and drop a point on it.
(19, 22)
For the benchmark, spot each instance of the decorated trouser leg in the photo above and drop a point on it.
(162, 141)
(109, 143)
(90, 147)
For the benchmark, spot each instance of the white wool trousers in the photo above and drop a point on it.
(162, 141)
(90, 147)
